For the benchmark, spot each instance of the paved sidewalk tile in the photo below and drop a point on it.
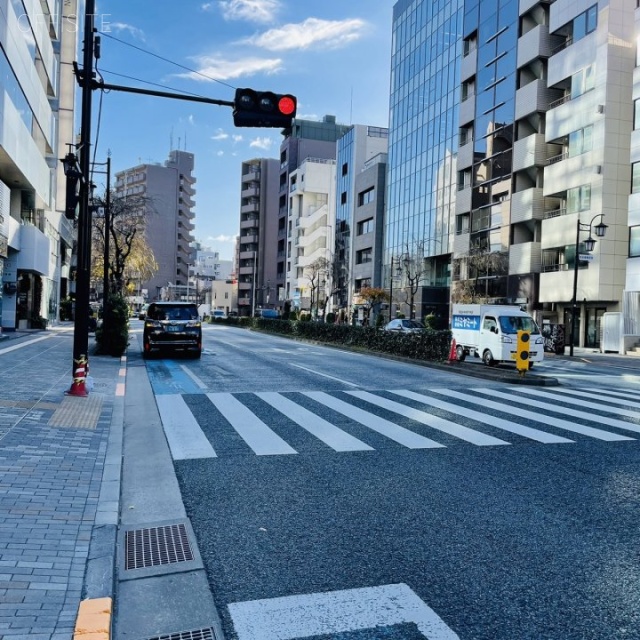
(52, 458)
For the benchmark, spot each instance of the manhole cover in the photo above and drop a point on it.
(157, 546)
(199, 634)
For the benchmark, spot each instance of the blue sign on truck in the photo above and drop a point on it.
(466, 322)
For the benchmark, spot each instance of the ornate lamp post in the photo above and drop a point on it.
(600, 230)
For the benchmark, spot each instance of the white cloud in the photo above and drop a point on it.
(252, 10)
(312, 32)
(220, 135)
(237, 138)
(207, 6)
(261, 143)
(216, 68)
(123, 26)
(220, 153)
(220, 238)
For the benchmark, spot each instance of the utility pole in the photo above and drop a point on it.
(81, 317)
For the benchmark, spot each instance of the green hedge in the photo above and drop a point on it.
(430, 345)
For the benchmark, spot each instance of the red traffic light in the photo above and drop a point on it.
(287, 105)
(263, 109)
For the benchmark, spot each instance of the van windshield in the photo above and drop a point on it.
(513, 324)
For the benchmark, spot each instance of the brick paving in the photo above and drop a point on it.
(52, 457)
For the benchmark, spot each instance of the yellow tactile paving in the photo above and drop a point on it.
(79, 413)
(94, 620)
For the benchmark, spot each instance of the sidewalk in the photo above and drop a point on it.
(60, 468)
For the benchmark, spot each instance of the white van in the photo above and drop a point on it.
(490, 332)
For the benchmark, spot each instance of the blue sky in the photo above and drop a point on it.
(333, 55)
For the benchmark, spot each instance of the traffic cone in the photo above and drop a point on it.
(452, 352)
(78, 387)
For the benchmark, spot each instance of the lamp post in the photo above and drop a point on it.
(589, 244)
(391, 274)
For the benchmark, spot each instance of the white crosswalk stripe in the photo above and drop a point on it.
(258, 426)
(250, 428)
(611, 398)
(599, 434)
(612, 422)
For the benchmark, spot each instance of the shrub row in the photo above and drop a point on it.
(429, 345)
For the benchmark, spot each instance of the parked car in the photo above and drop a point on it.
(404, 325)
(218, 313)
(142, 314)
(172, 326)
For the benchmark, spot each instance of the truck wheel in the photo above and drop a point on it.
(487, 358)
(530, 365)
(460, 354)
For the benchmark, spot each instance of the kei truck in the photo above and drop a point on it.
(490, 332)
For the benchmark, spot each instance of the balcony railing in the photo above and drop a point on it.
(560, 101)
(554, 213)
(559, 158)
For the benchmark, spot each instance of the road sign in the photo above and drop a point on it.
(585, 257)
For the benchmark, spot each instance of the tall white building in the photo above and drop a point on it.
(312, 218)
(38, 45)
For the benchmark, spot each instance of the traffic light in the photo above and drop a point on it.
(263, 109)
(74, 178)
(522, 350)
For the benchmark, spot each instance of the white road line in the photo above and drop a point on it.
(375, 423)
(612, 422)
(250, 428)
(193, 376)
(24, 344)
(331, 435)
(315, 614)
(611, 398)
(498, 423)
(446, 426)
(184, 435)
(582, 403)
(324, 375)
(530, 415)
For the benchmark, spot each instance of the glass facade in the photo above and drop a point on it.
(423, 137)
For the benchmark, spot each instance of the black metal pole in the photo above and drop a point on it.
(107, 233)
(391, 292)
(81, 318)
(575, 289)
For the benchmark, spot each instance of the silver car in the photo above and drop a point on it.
(404, 325)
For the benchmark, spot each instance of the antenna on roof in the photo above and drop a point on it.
(171, 140)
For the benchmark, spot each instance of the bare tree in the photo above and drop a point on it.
(412, 269)
(126, 237)
(372, 296)
(316, 274)
(478, 266)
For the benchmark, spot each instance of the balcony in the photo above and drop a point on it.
(463, 199)
(529, 152)
(34, 250)
(252, 223)
(465, 155)
(251, 207)
(250, 192)
(532, 98)
(467, 110)
(527, 205)
(461, 245)
(468, 67)
(525, 257)
(533, 45)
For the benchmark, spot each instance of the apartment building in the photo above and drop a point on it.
(359, 232)
(168, 191)
(541, 97)
(305, 139)
(312, 216)
(258, 242)
(38, 45)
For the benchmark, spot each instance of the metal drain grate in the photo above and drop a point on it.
(199, 634)
(157, 546)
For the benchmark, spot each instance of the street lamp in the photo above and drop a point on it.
(589, 245)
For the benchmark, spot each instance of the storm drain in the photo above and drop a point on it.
(157, 546)
(199, 634)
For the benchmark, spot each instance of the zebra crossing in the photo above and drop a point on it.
(359, 421)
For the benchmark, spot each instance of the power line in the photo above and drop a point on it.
(177, 64)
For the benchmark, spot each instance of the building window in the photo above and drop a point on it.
(580, 141)
(585, 23)
(579, 198)
(635, 177)
(634, 242)
(636, 111)
(367, 196)
(362, 283)
(343, 197)
(583, 81)
(345, 169)
(363, 256)
(366, 226)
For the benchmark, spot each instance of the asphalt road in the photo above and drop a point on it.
(486, 534)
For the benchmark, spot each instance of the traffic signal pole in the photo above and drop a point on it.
(251, 109)
(83, 255)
